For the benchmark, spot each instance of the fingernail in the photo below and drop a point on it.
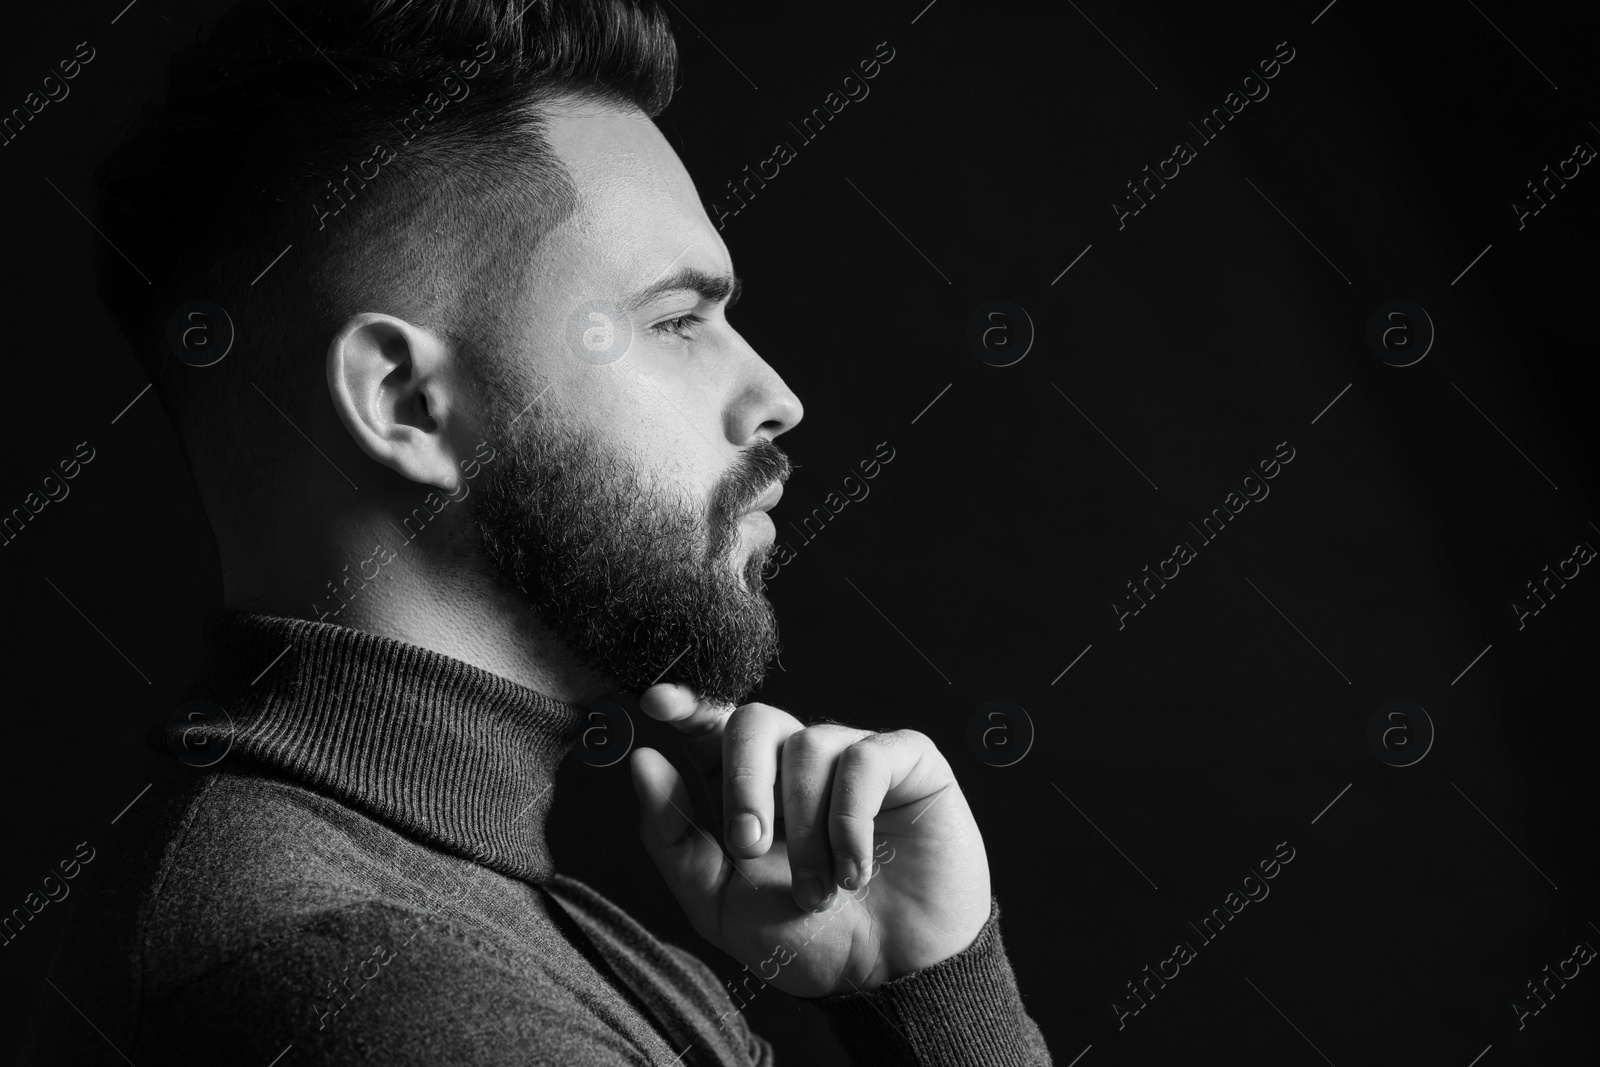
(808, 890)
(848, 873)
(745, 830)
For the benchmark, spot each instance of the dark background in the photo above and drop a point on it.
(1227, 715)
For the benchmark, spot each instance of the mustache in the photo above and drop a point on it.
(753, 473)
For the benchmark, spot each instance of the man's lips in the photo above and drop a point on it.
(767, 500)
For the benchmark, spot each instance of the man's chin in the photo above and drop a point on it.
(635, 584)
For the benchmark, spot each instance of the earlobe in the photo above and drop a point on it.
(386, 380)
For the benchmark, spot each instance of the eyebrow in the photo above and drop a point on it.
(712, 287)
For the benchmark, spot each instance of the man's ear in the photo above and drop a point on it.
(389, 382)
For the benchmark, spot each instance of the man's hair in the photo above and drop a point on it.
(395, 148)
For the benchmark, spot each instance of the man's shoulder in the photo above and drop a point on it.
(244, 909)
(247, 860)
(235, 862)
(369, 981)
(307, 974)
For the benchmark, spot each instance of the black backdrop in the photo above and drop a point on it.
(1232, 713)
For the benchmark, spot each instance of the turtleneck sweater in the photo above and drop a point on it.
(364, 877)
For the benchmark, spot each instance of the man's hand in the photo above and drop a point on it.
(802, 803)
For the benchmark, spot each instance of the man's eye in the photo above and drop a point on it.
(682, 326)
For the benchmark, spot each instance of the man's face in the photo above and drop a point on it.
(624, 501)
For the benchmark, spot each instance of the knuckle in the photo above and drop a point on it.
(743, 719)
(852, 761)
(801, 831)
(848, 824)
(863, 747)
(865, 750)
(805, 746)
(745, 775)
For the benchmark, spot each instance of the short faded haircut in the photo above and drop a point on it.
(268, 141)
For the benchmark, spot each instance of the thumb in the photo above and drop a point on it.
(688, 858)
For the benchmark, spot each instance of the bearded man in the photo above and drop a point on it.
(441, 323)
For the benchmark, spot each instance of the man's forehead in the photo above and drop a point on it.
(603, 144)
(638, 218)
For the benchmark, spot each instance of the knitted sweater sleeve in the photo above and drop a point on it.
(965, 1011)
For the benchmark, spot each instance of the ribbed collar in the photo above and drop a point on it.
(439, 749)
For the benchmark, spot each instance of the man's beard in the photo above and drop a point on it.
(636, 581)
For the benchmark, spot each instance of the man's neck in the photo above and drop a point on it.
(485, 626)
(437, 595)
